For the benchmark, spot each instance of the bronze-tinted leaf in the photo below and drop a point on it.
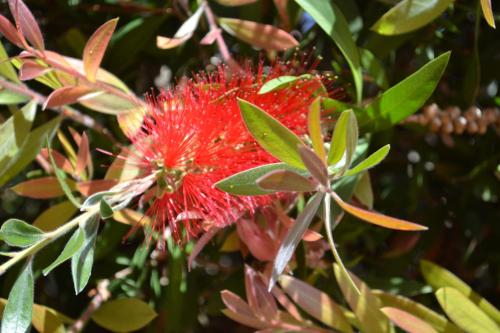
(41, 188)
(183, 34)
(87, 188)
(314, 164)
(263, 36)
(259, 299)
(95, 48)
(31, 69)
(83, 155)
(26, 23)
(376, 218)
(66, 95)
(286, 181)
(407, 321)
(9, 31)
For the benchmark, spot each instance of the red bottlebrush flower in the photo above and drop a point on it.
(193, 136)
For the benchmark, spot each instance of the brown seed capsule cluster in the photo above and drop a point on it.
(453, 120)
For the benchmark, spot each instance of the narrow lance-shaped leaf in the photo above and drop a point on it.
(410, 15)
(330, 18)
(344, 139)
(467, 315)
(61, 178)
(71, 247)
(245, 182)
(293, 237)
(83, 259)
(314, 164)
(278, 83)
(10, 32)
(375, 218)
(95, 48)
(17, 313)
(439, 277)
(275, 138)
(316, 303)
(19, 233)
(405, 98)
(26, 23)
(260, 35)
(285, 181)
(370, 161)
(407, 321)
(314, 126)
(183, 34)
(65, 95)
(488, 12)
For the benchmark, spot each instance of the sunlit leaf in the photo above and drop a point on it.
(344, 139)
(315, 302)
(29, 149)
(275, 138)
(314, 164)
(124, 315)
(263, 36)
(405, 98)
(370, 161)
(366, 306)
(184, 33)
(407, 321)
(439, 322)
(330, 18)
(66, 95)
(439, 277)
(55, 216)
(17, 313)
(378, 219)
(42, 188)
(95, 48)
(19, 233)
(410, 15)
(467, 315)
(488, 12)
(293, 237)
(314, 126)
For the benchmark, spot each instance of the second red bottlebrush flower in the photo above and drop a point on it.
(193, 136)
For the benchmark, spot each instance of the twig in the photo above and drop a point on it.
(65, 111)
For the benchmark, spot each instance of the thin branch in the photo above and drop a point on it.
(65, 111)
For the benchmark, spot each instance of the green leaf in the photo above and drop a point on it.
(282, 82)
(72, 246)
(439, 322)
(439, 277)
(61, 178)
(82, 261)
(6, 68)
(374, 67)
(8, 97)
(55, 216)
(293, 237)
(410, 15)
(285, 181)
(405, 98)
(314, 127)
(13, 133)
(105, 210)
(17, 313)
(370, 161)
(245, 182)
(464, 312)
(344, 139)
(124, 315)
(332, 21)
(19, 233)
(364, 191)
(29, 149)
(275, 138)
(365, 305)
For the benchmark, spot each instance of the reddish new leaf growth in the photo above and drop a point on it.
(31, 70)
(65, 95)
(193, 136)
(10, 32)
(95, 48)
(26, 23)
